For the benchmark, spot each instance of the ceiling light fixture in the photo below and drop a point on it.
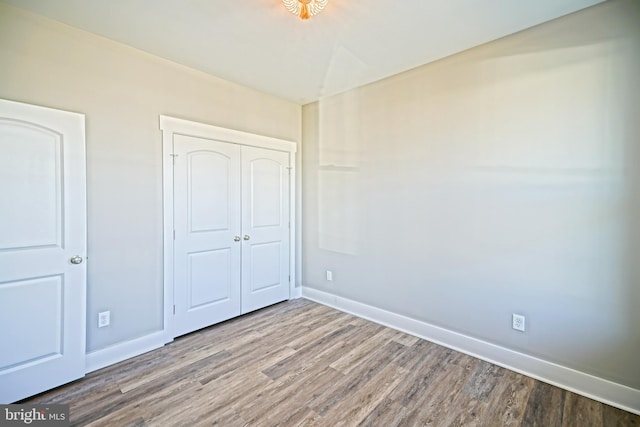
(305, 9)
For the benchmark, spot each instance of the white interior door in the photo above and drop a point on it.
(207, 229)
(42, 248)
(265, 227)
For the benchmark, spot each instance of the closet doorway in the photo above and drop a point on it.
(227, 211)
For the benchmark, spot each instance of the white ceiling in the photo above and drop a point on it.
(259, 44)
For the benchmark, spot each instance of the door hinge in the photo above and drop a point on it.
(174, 309)
(289, 278)
(174, 234)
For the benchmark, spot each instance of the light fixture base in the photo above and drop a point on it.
(305, 9)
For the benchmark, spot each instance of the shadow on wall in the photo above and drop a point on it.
(339, 159)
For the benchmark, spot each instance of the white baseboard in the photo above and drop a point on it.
(296, 293)
(593, 387)
(122, 351)
(117, 353)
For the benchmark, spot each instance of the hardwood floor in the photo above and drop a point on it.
(301, 363)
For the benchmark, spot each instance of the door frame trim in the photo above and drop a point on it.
(171, 126)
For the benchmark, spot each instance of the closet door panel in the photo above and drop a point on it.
(265, 227)
(206, 220)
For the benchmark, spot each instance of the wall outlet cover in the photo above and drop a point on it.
(104, 319)
(518, 322)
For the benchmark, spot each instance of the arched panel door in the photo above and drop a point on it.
(207, 229)
(42, 249)
(265, 227)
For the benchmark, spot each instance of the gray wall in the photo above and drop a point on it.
(122, 91)
(503, 179)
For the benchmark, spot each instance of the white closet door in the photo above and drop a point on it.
(42, 249)
(207, 229)
(265, 227)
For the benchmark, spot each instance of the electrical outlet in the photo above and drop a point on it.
(517, 322)
(329, 275)
(104, 319)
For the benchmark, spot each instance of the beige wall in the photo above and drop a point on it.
(501, 180)
(122, 91)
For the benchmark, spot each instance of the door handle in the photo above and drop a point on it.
(236, 238)
(76, 260)
(247, 237)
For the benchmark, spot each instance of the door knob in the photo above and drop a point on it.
(247, 237)
(76, 260)
(236, 239)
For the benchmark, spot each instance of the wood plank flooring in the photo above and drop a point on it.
(299, 363)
